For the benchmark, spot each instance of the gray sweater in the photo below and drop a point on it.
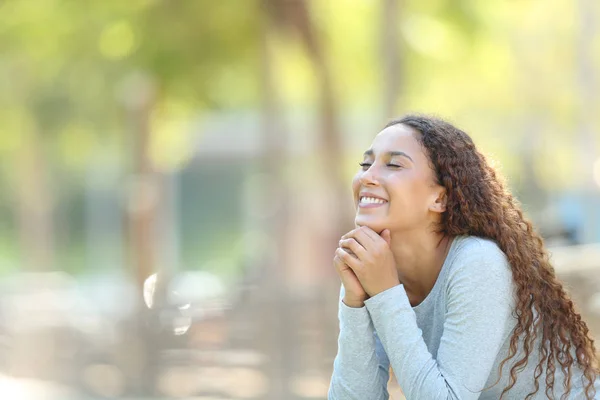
(447, 347)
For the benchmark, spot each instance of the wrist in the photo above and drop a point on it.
(353, 303)
(384, 288)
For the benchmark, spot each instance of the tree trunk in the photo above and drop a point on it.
(274, 308)
(143, 208)
(34, 205)
(390, 54)
(319, 305)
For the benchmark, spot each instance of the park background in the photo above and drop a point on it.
(175, 174)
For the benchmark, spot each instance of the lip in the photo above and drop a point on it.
(374, 205)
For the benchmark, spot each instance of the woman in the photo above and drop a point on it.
(446, 281)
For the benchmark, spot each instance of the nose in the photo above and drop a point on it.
(369, 177)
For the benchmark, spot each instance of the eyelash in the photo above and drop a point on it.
(363, 165)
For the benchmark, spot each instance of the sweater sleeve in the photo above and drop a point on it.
(479, 295)
(361, 367)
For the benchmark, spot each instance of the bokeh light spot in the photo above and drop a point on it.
(117, 40)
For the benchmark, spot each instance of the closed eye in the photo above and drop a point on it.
(366, 166)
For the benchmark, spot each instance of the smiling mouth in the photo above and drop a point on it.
(370, 202)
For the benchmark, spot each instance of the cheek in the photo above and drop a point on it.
(409, 191)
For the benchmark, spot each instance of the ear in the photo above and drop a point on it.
(439, 205)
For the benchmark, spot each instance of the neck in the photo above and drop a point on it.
(419, 258)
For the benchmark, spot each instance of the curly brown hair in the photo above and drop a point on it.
(479, 204)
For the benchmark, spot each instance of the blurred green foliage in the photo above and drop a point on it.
(510, 73)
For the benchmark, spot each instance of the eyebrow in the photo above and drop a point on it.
(390, 153)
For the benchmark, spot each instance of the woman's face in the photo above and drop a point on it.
(395, 187)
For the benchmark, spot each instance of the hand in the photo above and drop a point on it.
(370, 258)
(354, 294)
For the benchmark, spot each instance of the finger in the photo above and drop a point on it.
(362, 237)
(348, 259)
(349, 252)
(338, 263)
(337, 260)
(387, 236)
(356, 248)
(374, 236)
(349, 234)
(343, 270)
(378, 239)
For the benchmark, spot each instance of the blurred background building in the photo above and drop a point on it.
(175, 175)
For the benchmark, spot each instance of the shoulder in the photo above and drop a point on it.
(479, 259)
(473, 250)
(480, 276)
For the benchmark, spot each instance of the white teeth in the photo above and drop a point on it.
(371, 200)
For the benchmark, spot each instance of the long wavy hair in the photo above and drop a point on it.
(479, 204)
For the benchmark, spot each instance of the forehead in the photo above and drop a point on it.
(397, 138)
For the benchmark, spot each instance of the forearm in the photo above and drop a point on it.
(415, 369)
(357, 371)
(474, 329)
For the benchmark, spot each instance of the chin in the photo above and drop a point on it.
(376, 224)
